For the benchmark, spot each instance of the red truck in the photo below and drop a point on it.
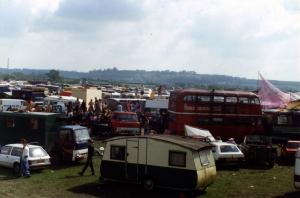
(125, 123)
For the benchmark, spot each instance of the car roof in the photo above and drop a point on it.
(19, 145)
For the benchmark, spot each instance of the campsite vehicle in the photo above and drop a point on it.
(159, 161)
(297, 170)
(289, 149)
(282, 124)
(224, 153)
(157, 105)
(258, 149)
(224, 113)
(71, 143)
(10, 157)
(38, 101)
(28, 94)
(53, 100)
(227, 154)
(10, 104)
(67, 142)
(124, 123)
(112, 103)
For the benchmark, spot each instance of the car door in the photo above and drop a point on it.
(14, 156)
(4, 155)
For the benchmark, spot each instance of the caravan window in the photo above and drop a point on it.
(177, 158)
(117, 153)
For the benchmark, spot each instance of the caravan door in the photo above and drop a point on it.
(131, 168)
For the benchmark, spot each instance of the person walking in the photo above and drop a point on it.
(24, 160)
(89, 160)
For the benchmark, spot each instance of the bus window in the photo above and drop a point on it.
(219, 99)
(231, 100)
(217, 120)
(256, 101)
(190, 98)
(203, 98)
(244, 100)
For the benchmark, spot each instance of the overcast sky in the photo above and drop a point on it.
(230, 37)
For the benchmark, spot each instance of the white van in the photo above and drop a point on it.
(297, 169)
(10, 104)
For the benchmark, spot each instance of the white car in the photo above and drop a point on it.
(227, 153)
(10, 157)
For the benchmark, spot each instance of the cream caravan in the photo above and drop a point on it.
(159, 161)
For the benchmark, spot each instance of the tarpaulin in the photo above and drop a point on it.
(272, 97)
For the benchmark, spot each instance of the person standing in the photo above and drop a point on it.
(89, 160)
(24, 160)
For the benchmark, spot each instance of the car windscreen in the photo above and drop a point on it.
(229, 148)
(293, 145)
(37, 152)
(126, 117)
(81, 135)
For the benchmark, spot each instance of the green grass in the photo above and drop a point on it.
(275, 182)
(65, 182)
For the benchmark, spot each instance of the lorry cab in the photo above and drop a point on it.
(71, 143)
(125, 123)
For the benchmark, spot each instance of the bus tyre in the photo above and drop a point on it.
(148, 184)
(16, 168)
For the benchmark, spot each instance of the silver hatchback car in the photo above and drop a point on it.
(10, 157)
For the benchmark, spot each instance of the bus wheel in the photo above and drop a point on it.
(148, 184)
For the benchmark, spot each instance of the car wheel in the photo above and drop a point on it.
(148, 184)
(17, 169)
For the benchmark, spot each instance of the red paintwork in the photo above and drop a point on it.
(115, 123)
(221, 119)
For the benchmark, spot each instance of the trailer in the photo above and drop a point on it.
(159, 161)
(62, 142)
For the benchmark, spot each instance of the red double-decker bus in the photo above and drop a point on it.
(224, 113)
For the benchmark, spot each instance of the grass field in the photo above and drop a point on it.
(65, 182)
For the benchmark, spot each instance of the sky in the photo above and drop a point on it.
(227, 37)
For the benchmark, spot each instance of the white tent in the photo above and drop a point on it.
(198, 133)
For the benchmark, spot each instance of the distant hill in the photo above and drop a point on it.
(168, 78)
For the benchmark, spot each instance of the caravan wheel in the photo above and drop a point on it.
(148, 184)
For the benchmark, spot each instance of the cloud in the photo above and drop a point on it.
(88, 15)
(229, 37)
(104, 10)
